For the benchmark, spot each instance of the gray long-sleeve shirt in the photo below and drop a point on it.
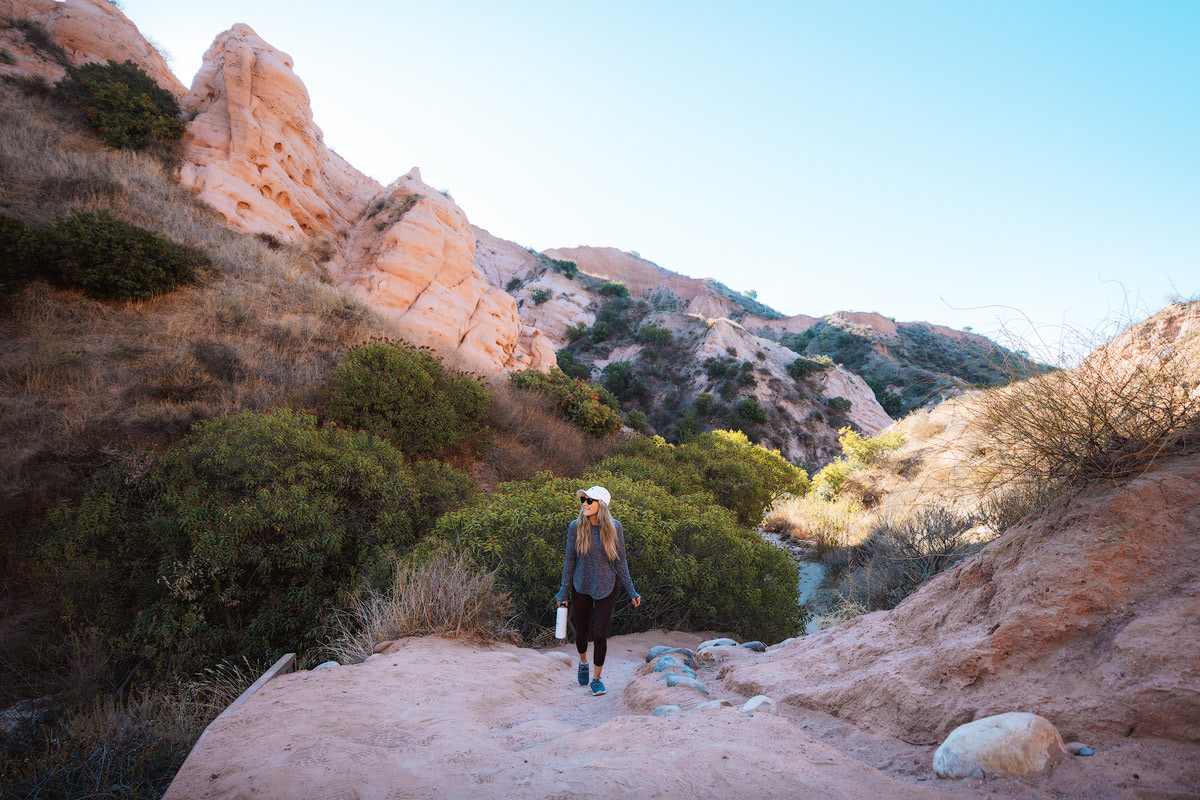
(593, 574)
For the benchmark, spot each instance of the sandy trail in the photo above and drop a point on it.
(435, 718)
(438, 718)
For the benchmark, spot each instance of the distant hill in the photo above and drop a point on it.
(910, 364)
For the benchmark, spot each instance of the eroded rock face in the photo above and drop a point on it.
(508, 266)
(412, 257)
(89, 31)
(775, 388)
(253, 152)
(1088, 616)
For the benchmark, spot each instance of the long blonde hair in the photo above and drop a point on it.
(608, 532)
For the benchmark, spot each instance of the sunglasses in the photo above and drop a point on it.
(586, 500)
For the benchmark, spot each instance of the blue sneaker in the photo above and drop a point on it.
(597, 688)
(583, 674)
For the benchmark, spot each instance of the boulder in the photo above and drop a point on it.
(760, 703)
(1016, 743)
(675, 679)
(668, 663)
(717, 643)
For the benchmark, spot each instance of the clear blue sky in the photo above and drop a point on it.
(964, 163)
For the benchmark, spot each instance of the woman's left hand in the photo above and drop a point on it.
(637, 601)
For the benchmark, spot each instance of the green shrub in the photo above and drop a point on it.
(693, 566)
(802, 367)
(621, 379)
(686, 426)
(614, 289)
(863, 451)
(111, 259)
(637, 420)
(717, 368)
(655, 335)
(406, 396)
(703, 402)
(842, 404)
(512, 285)
(123, 104)
(891, 402)
(858, 452)
(739, 475)
(540, 296)
(576, 332)
(828, 480)
(239, 540)
(586, 406)
(565, 266)
(751, 411)
(17, 247)
(571, 366)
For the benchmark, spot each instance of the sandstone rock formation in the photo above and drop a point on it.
(253, 152)
(88, 31)
(412, 257)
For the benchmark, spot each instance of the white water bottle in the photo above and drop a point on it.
(560, 623)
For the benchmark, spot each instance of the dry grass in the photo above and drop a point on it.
(828, 525)
(442, 596)
(129, 746)
(1122, 408)
(83, 380)
(529, 435)
(898, 555)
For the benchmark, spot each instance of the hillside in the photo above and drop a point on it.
(254, 153)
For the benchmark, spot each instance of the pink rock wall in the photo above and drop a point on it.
(89, 31)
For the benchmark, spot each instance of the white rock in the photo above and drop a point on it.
(327, 665)
(760, 703)
(711, 704)
(718, 643)
(1005, 744)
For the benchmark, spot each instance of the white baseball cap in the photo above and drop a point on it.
(596, 493)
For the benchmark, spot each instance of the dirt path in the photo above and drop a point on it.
(434, 718)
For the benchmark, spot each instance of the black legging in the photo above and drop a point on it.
(583, 605)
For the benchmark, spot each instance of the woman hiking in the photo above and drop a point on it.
(595, 558)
